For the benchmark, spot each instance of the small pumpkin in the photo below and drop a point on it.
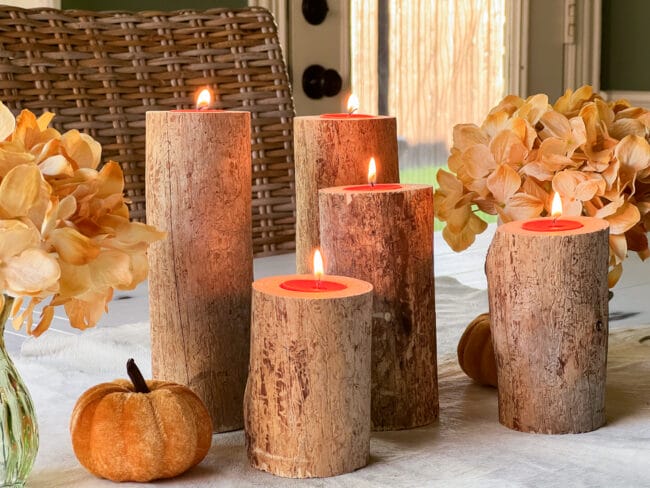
(475, 351)
(139, 430)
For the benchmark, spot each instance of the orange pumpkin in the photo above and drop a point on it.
(475, 351)
(139, 431)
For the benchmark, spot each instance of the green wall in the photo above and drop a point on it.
(150, 4)
(625, 59)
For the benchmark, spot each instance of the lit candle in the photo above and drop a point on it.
(198, 188)
(553, 223)
(548, 295)
(333, 150)
(316, 284)
(383, 234)
(372, 181)
(352, 107)
(203, 103)
(309, 367)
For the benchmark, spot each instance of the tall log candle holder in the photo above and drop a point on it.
(307, 403)
(198, 188)
(548, 308)
(383, 234)
(332, 150)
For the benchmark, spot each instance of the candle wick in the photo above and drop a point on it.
(372, 184)
(352, 110)
(554, 219)
(318, 283)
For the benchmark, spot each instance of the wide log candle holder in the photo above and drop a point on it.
(333, 150)
(548, 299)
(198, 189)
(383, 234)
(307, 403)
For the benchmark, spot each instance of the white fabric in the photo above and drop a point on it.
(466, 448)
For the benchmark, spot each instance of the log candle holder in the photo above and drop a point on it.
(333, 150)
(307, 403)
(548, 307)
(198, 188)
(384, 235)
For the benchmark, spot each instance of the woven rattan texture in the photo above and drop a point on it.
(100, 72)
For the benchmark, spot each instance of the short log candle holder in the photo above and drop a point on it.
(307, 403)
(383, 234)
(548, 308)
(198, 188)
(332, 150)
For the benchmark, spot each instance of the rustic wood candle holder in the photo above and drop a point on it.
(333, 152)
(307, 403)
(548, 307)
(198, 175)
(386, 238)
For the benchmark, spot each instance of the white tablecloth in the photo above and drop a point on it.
(466, 448)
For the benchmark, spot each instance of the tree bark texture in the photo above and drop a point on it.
(336, 152)
(198, 189)
(386, 238)
(549, 321)
(307, 403)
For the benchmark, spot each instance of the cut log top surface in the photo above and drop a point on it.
(405, 187)
(199, 113)
(589, 224)
(271, 286)
(346, 119)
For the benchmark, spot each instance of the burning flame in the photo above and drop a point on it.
(372, 171)
(556, 206)
(318, 265)
(204, 100)
(353, 103)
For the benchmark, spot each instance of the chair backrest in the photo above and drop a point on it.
(100, 72)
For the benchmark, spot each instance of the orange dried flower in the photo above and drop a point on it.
(594, 153)
(65, 233)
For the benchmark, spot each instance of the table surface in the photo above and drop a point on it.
(467, 447)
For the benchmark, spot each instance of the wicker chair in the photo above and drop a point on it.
(100, 72)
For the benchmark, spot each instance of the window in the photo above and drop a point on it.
(446, 65)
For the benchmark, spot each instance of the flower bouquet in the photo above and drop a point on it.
(65, 237)
(594, 153)
(65, 233)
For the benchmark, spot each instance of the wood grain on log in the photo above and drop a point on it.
(548, 307)
(307, 403)
(198, 189)
(386, 238)
(335, 152)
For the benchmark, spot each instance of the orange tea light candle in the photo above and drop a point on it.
(204, 101)
(315, 285)
(553, 223)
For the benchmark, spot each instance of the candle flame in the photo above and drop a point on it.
(372, 171)
(353, 103)
(556, 206)
(204, 100)
(319, 269)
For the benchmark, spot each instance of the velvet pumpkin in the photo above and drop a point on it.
(139, 431)
(475, 351)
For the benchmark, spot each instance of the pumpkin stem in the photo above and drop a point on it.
(137, 379)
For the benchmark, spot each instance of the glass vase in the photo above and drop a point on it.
(18, 426)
